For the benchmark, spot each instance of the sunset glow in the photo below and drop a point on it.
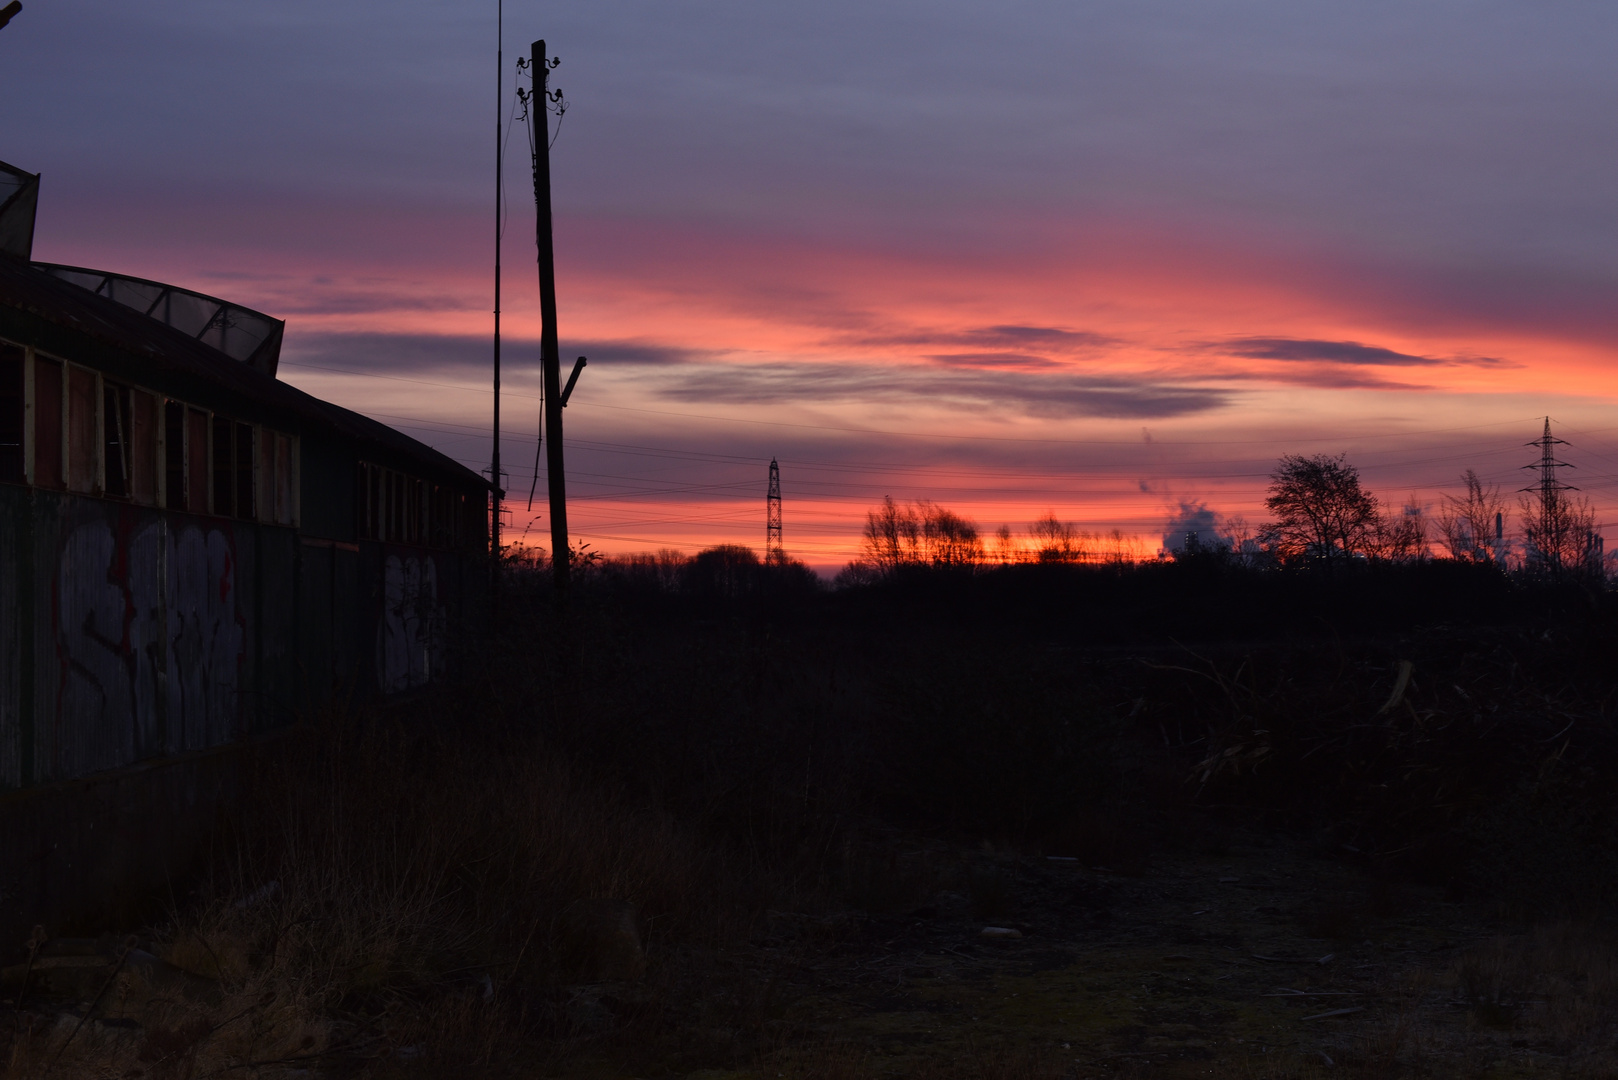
(1114, 276)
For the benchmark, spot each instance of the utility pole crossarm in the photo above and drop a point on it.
(567, 391)
(1549, 484)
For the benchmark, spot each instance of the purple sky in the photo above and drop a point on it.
(1098, 258)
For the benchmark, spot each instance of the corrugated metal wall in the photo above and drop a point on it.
(13, 540)
(129, 633)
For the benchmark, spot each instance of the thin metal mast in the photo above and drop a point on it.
(773, 552)
(499, 199)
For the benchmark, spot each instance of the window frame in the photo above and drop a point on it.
(269, 446)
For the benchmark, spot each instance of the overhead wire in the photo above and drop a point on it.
(933, 472)
(600, 485)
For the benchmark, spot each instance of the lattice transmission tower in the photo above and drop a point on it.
(773, 552)
(1550, 487)
(1560, 537)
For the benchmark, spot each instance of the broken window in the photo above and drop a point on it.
(285, 504)
(368, 502)
(232, 468)
(400, 509)
(47, 417)
(413, 511)
(83, 430)
(268, 466)
(142, 443)
(12, 359)
(439, 516)
(129, 443)
(264, 458)
(196, 461)
(174, 471)
(395, 488)
(246, 504)
(115, 424)
(224, 470)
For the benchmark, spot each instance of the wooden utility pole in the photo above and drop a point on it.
(549, 352)
(499, 227)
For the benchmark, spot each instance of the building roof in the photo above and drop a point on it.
(240, 333)
(165, 356)
(19, 199)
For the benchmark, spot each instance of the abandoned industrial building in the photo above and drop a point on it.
(193, 552)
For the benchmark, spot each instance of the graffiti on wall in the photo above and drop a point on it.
(100, 720)
(149, 642)
(409, 635)
(128, 634)
(206, 637)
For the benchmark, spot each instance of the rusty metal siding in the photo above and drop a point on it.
(314, 624)
(14, 532)
(411, 620)
(41, 734)
(246, 537)
(349, 616)
(142, 634)
(148, 572)
(206, 635)
(97, 709)
(142, 652)
(132, 633)
(275, 701)
(455, 594)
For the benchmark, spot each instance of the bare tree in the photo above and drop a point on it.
(1005, 548)
(1473, 527)
(920, 532)
(1321, 510)
(1401, 535)
(1244, 545)
(1560, 541)
(1118, 548)
(1057, 541)
(949, 538)
(892, 535)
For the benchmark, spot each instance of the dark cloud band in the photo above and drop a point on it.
(1316, 351)
(1033, 394)
(1026, 384)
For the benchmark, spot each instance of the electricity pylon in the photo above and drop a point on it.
(773, 552)
(1549, 486)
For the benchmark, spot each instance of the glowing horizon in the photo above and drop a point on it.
(1121, 268)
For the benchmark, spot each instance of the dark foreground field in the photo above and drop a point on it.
(1224, 825)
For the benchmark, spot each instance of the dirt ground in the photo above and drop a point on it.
(1253, 957)
(1263, 959)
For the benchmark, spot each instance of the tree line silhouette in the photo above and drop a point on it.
(1321, 517)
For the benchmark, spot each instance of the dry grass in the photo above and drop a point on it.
(405, 896)
(399, 899)
(1557, 984)
(838, 1060)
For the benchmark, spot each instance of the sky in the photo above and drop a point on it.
(1106, 260)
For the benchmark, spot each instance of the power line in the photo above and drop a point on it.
(841, 485)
